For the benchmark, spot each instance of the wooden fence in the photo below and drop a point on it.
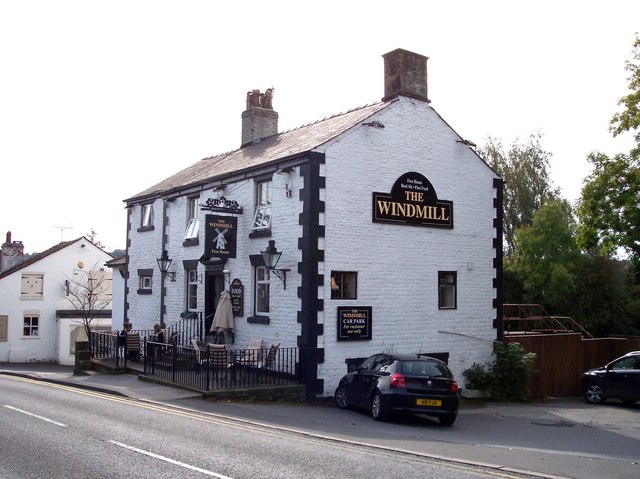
(562, 358)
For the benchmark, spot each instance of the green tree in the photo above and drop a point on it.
(546, 254)
(525, 169)
(609, 208)
(606, 301)
(629, 119)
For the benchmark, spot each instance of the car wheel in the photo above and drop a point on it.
(377, 408)
(447, 419)
(593, 393)
(341, 398)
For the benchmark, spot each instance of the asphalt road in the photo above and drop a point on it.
(554, 437)
(54, 431)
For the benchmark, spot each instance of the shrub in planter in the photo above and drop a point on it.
(477, 378)
(507, 376)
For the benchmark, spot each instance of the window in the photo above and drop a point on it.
(344, 285)
(30, 326)
(4, 328)
(262, 217)
(262, 290)
(32, 286)
(447, 289)
(145, 281)
(192, 290)
(193, 222)
(146, 218)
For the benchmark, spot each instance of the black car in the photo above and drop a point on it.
(412, 383)
(620, 379)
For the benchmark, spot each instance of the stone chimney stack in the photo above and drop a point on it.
(258, 120)
(11, 254)
(405, 73)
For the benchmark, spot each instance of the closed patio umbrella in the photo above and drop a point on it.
(223, 319)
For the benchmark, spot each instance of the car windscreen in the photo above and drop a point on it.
(424, 368)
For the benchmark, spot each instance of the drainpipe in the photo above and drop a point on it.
(163, 243)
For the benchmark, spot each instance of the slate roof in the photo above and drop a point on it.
(38, 257)
(35, 258)
(283, 145)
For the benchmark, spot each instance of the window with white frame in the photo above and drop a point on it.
(447, 281)
(146, 217)
(32, 286)
(146, 282)
(262, 291)
(193, 220)
(262, 216)
(30, 325)
(192, 290)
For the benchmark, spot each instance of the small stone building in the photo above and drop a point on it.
(386, 222)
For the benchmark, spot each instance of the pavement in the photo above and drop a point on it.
(128, 385)
(573, 409)
(564, 412)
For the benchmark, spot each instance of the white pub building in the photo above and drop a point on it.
(386, 223)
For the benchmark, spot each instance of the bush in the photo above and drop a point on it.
(507, 376)
(477, 378)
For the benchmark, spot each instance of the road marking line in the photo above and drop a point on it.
(35, 415)
(172, 461)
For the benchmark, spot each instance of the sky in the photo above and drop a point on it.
(101, 100)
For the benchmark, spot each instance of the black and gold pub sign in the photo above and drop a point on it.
(354, 323)
(412, 201)
(236, 291)
(220, 235)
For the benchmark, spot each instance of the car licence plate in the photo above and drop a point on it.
(429, 402)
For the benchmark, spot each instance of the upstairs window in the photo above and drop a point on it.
(32, 286)
(447, 281)
(344, 285)
(146, 216)
(262, 216)
(193, 221)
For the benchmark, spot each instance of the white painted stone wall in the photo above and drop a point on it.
(145, 247)
(57, 267)
(398, 265)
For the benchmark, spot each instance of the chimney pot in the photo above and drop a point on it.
(259, 120)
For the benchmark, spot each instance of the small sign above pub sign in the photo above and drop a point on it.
(412, 201)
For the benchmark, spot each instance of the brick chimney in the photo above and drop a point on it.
(405, 73)
(258, 120)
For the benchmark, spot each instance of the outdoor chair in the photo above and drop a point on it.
(270, 358)
(252, 355)
(219, 360)
(133, 346)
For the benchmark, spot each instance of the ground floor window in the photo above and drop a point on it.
(447, 281)
(192, 290)
(30, 326)
(262, 290)
(344, 285)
